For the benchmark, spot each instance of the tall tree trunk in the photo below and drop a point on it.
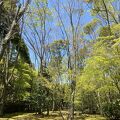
(4, 81)
(53, 105)
(2, 101)
(71, 114)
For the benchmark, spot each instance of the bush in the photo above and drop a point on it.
(112, 110)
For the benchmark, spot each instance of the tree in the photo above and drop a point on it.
(102, 72)
(6, 53)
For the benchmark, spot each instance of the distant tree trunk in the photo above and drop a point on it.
(100, 106)
(2, 101)
(60, 106)
(47, 110)
(53, 104)
(40, 110)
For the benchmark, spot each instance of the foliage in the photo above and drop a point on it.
(22, 84)
(112, 110)
(78, 71)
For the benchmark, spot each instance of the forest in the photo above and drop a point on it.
(59, 59)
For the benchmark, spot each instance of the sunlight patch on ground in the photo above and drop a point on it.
(53, 116)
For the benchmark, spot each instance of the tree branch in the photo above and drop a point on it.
(18, 15)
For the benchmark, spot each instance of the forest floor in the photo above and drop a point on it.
(52, 116)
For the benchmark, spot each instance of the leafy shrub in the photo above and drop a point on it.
(112, 110)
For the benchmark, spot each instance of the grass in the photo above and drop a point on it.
(52, 116)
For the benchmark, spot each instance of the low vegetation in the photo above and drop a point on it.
(52, 116)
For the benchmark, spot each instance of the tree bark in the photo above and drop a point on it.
(2, 101)
(71, 114)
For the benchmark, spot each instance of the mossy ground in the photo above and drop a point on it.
(52, 116)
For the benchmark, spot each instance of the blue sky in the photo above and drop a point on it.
(54, 34)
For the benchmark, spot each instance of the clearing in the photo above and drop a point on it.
(52, 116)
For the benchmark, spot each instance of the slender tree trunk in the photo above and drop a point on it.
(60, 106)
(71, 114)
(4, 81)
(100, 106)
(48, 110)
(53, 105)
(40, 110)
(2, 101)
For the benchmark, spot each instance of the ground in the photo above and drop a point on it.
(53, 116)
